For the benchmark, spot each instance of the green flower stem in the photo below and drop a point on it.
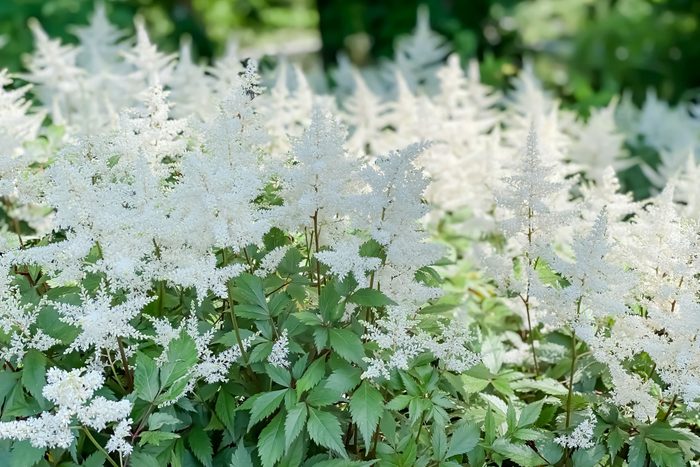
(317, 247)
(99, 447)
(125, 364)
(670, 408)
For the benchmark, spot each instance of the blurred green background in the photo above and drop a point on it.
(584, 50)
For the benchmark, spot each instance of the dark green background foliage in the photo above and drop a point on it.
(587, 50)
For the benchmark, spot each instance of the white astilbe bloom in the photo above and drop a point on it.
(53, 70)
(596, 287)
(364, 113)
(71, 389)
(605, 193)
(271, 260)
(529, 222)
(192, 92)
(582, 436)
(631, 393)
(450, 347)
(404, 115)
(392, 336)
(100, 412)
(597, 144)
(321, 180)
(528, 102)
(18, 126)
(467, 149)
(102, 323)
(212, 367)
(687, 190)
(419, 54)
(149, 66)
(18, 322)
(345, 258)
(395, 209)
(665, 128)
(534, 202)
(72, 392)
(106, 89)
(670, 165)
(100, 45)
(47, 430)
(279, 356)
(144, 191)
(660, 249)
(287, 107)
(117, 442)
(147, 132)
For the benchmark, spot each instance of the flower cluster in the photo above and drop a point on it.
(180, 230)
(73, 393)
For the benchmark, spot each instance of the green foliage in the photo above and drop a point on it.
(208, 22)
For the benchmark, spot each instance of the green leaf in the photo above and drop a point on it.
(438, 441)
(241, 457)
(8, 380)
(248, 289)
(322, 395)
(271, 441)
(550, 450)
(663, 455)
(174, 392)
(342, 463)
(637, 452)
(200, 444)
(399, 402)
(260, 352)
(344, 379)
(308, 318)
(146, 378)
(313, 374)
(588, 457)
(530, 414)
(25, 455)
(329, 303)
(510, 418)
(156, 437)
(264, 405)
(225, 409)
(279, 375)
(528, 434)
(320, 338)
(366, 406)
(472, 384)
(464, 439)
(546, 385)
(347, 344)
(520, 454)
(489, 426)
(250, 311)
(143, 460)
(294, 423)
(160, 419)
(181, 357)
(34, 373)
(324, 430)
(370, 297)
(662, 431)
(616, 439)
(96, 459)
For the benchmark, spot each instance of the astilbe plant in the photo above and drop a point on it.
(199, 289)
(201, 265)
